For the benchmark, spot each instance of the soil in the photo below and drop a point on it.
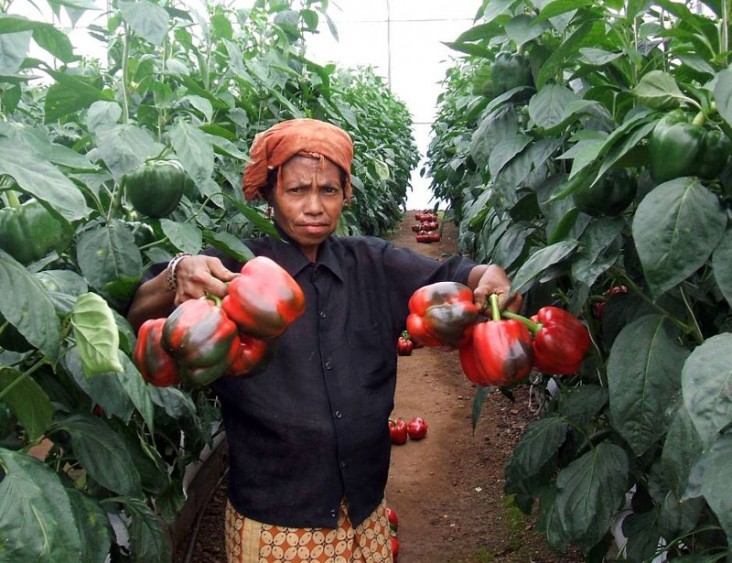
(447, 490)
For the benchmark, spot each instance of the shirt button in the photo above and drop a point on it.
(338, 414)
(322, 314)
(333, 513)
(328, 365)
(343, 465)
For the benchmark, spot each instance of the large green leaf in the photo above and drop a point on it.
(723, 94)
(13, 49)
(42, 180)
(96, 335)
(27, 401)
(715, 482)
(148, 20)
(681, 451)
(137, 390)
(644, 375)
(36, 522)
(706, 382)
(599, 249)
(658, 89)
(549, 106)
(46, 36)
(147, 538)
(504, 151)
(101, 452)
(722, 265)
(68, 95)
(107, 254)
(30, 310)
(540, 261)
(195, 151)
(107, 391)
(538, 446)
(186, 237)
(591, 490)
(123, 148)
(676, 227)
(94, 528)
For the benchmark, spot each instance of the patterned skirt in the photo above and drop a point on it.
(249, 541)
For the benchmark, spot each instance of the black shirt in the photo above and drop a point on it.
(313, 427)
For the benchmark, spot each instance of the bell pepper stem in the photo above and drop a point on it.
(12, 197)
(533, 327)
(495, 310)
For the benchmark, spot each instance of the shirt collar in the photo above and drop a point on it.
(288, 255)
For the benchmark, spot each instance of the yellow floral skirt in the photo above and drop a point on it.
(249, 541)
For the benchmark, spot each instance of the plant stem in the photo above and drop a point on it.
(22, 376)
(697, 329)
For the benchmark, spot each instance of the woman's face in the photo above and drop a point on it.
(308, 205)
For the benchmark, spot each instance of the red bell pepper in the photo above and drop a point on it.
(250, 353)
(264, 299)
(442, 314)
(393, 520)
(398, 431)
(156, 366)
(417, 428)
(405, 344)
(560, 341)
(202, 339)
(502, 349)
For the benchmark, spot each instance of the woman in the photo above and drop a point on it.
(308, 438)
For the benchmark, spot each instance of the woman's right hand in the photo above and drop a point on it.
(198, 275)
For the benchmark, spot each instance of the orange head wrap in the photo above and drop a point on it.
(278, 144)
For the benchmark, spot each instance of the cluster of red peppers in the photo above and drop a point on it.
(203, 339)
(415, 429)
(503, 349)
(391, 515)
(426, 229)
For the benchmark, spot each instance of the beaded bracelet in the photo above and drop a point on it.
(172, 281)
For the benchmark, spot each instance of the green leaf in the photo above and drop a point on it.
(137, 390)
(186, 237)
(481, 393)
(715, 484)
(194, 150)
(600, 248)
(105, 390)
(706, 382)
(644, 376)
(107, 254)
(523, 28)
(581, 404)
(230, 244)
(13, 49)
(68, 95)
(147, 538)
(504, 151)
(148, 20)
(123, 148)
(658, 89)
(540, 261)
(722, 265)
(723, 94)
(39, 178)
(36, 521)
(597, 57)
(30, 310)
(94, 528)
(95, 331)
(557, 60)
(27, 401)
(681, 450)
(102, 453)
(676, 227)
(549, 106)
(591, 490)
(539, 445)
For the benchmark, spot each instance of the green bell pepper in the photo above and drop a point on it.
(678, 147)
(156, 187)
(29, 231)
(610, 195)
(510, 70)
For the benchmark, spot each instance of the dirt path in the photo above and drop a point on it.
(447, 489)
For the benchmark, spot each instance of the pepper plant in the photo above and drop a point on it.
(107, 166)
(593, 176)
